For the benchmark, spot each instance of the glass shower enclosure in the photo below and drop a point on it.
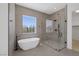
(57, 35)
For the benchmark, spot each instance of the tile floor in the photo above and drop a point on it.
(54, 44)
(44, 50)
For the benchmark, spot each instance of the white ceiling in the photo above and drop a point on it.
(47, 8)
(74, 7)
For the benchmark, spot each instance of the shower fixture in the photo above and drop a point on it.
(59, 32)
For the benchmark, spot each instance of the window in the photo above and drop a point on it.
(49, 26)
(29, 24)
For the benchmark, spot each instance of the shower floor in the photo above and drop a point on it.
(57, 45)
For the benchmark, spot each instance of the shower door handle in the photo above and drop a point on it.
(60, 34)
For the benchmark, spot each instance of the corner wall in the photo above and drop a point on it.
(69, 26)
(11, 28)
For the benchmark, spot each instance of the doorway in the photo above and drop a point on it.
(75, 31)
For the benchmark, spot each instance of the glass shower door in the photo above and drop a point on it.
(61, 40)
(62, 31)
(57, 39)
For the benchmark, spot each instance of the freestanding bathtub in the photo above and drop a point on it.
(29, 43)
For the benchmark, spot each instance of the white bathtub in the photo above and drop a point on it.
(29, 43)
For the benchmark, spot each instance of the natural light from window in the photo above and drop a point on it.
(29, 24)
(49, 25)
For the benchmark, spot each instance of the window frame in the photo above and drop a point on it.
(35, 24)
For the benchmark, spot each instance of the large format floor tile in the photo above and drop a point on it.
(44, 50)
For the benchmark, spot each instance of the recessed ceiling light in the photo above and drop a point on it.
(77, 11)
(55, 8)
